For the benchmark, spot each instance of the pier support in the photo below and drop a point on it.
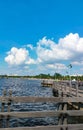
(8, 108)
(63, 117)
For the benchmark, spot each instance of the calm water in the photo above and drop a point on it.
(25, 87)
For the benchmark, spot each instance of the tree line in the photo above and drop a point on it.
(56, 76)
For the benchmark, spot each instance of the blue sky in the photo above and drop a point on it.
(41, 36)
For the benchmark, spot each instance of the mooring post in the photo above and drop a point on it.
(9, 102)
(77, 94)
(1, 121)
(2, 108)
(60, 108)
(79, 105)
(3, 102)
(53, 86)
(77, 89)
(60, 104)
(64, 109)
(8, 108)
(65, 116)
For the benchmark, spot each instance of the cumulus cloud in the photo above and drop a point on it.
(48, 53)
(30, 46)
(68, 48)
(30, 61)
(16, 56)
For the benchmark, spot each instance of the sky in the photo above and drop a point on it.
(41, 36)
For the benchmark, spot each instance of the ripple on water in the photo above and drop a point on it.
(25, 87)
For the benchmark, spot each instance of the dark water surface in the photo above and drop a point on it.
(25, 87)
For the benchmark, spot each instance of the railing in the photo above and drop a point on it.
(69, 90)
(62, 113)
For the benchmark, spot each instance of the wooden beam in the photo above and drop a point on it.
(57, 127)
(26, 99)
(33, 128)
(30, 114)
(42, 113)
(72, 99)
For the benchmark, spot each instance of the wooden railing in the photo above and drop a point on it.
(62, 113)
(69, 90)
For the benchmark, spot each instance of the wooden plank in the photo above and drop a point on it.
(30, 114)
(75, 127)
(80, 91)
(74, 112)
(33, 128)
(36, 99)
(72, 99)
(42, 113)
(57, 127)
(26, 99)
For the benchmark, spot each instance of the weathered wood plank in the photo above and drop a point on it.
(57, 127)
(74, 112)
(30, 114)
(80, 91)
(72, 99)
(35, 99)
(42, 113)
(33, 128)
(26, 99)
(47, 99)
(75, 127)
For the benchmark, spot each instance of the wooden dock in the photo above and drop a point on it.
(47, 83)
(64, 94)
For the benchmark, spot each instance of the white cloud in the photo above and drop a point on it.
(69, 42)
(49, 54)
(16, 56)
(68, 48)
(78, 63)
(30, 61)
(80, 45)
(30, 46)
(49, 51)
(57, 66)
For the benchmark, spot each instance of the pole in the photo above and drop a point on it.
(70, 81)
(70, 66)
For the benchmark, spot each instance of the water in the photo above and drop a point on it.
(25, 87)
